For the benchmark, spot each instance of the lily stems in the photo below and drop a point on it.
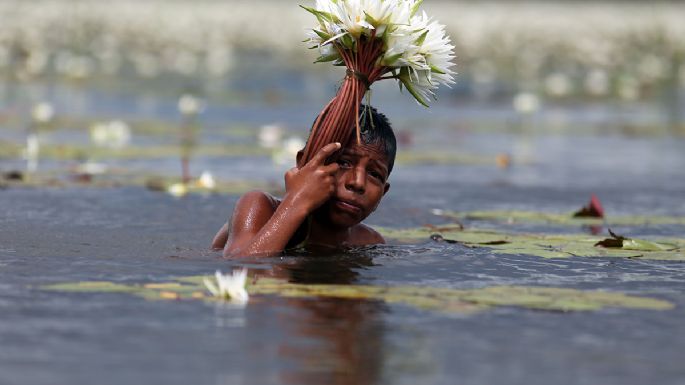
(341, 115)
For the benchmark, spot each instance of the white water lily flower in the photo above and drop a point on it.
(178, 190)
(270, 135)
(31, 152)
(416, 49)
(429, 59)
(206, 180)
(115, 134)
(229, 287)
(190, 105)
(342, 19)
(286, 154)
(526, 103)
(91, 168)
(43, 113)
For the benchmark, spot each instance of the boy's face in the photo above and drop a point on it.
(361, 182)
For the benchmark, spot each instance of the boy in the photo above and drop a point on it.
(324, 202)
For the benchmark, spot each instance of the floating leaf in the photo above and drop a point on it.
(91, 286)
(444, 300)
(513, 217)
(165, 285)
(551, 298)
(643, 245)
(541, 245)
(618, 241)
(169, 295)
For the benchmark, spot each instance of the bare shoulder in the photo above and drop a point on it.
(254, 205)
(250, 212)
(364, 235)
(257, 198)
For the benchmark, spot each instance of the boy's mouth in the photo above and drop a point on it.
(347, 206)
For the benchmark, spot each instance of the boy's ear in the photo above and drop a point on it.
(298, 157)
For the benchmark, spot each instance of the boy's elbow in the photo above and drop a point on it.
(243, 246)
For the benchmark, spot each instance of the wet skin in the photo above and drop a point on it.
(335, 197)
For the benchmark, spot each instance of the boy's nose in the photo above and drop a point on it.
(356, 181)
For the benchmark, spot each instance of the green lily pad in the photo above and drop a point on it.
(551, 298)
(417, 157)
(513, 217)
(541, 245)
(443, 300)
(63, 151)
(91, 286)
(151, 182)
(621, 242)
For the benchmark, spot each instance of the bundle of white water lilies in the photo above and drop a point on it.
(415, 48)
(375, 40)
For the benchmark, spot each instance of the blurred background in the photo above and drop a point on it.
(153, 92)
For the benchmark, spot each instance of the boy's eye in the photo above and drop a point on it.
(377, 175)
(344, 163)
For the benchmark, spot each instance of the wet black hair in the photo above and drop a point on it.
(376, 129)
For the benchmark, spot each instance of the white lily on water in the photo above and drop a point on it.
(229, 287)
(206, 181)
(190, 105)
(270, 135)
(415, 47)
(115, 134)
(42, 113)
(178, 190)
(286, 153)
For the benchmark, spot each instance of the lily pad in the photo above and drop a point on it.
(92, 286)
(621, 242)
(151, 182)
(513, 217)
(551, 298)
(443, 300)
(426, 157)
(541, 245)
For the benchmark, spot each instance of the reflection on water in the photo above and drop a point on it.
(347, 338)
(333, 340)
(324, 266)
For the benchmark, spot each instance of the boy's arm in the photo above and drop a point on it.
(220, 238)
(257, 229)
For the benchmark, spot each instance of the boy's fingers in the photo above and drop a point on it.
(331, 168)
(325, 152)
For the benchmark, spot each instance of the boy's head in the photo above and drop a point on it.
(362, 178)
(376, 129)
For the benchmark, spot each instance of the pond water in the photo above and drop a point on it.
(133, 235)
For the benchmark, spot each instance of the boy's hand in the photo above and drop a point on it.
(313, 184)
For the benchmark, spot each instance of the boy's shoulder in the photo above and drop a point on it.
(365, 235)
(254, 208)
(259, 198)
